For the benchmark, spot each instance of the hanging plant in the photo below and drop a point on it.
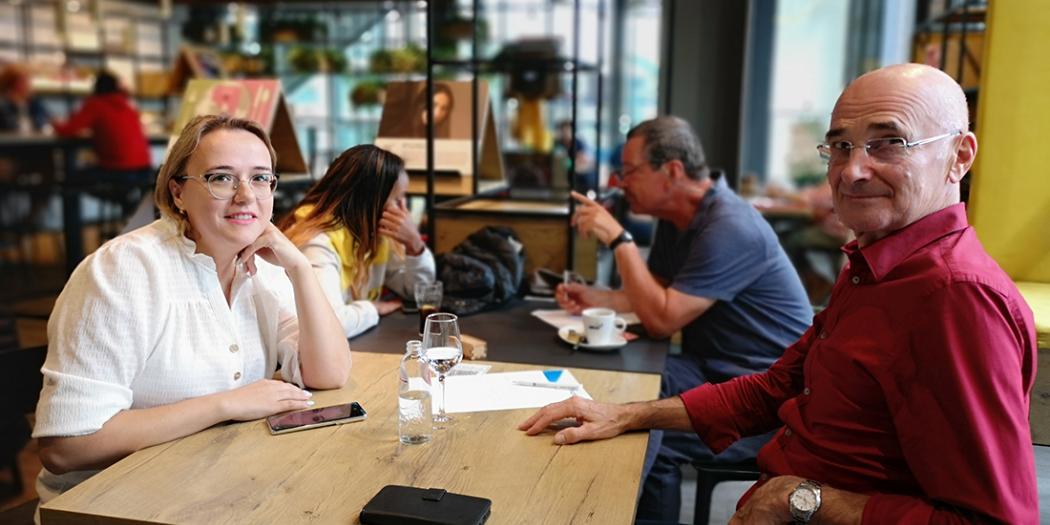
(304, 60)
(368, 93)
(381, 61)
(334, 60)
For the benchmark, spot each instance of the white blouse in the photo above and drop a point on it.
(143, 322)
(358, 314)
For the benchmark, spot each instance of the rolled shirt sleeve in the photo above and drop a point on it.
(402, 273)
(354, 316)
(747, 405)
(95, 349)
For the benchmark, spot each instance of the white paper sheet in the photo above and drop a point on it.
(480, 393)
(469, 369)
(559, 318)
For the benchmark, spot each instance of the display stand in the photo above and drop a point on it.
(257, 100)
(545, 223)
(402, 130)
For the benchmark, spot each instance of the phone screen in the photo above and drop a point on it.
(316, 417)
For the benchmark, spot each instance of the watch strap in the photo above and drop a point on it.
(624, 236)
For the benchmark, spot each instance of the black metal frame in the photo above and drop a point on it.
(475, 66)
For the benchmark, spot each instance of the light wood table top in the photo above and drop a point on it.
(239, 473)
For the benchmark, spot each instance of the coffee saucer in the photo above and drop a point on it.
(577, 331)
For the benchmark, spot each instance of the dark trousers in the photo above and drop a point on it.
(661, 496)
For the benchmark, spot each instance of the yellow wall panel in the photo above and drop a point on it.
(1010, 194)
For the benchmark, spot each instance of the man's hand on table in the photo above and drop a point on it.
(597, 420)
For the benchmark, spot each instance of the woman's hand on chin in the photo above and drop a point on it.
(275, 249)
(397, 224)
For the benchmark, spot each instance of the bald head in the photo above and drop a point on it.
(938, 99)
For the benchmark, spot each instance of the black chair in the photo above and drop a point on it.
(20, 515)
(20, 384)
(711, 473)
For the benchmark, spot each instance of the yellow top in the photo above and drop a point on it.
(344, 246)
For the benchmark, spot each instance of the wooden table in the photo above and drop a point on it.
(239, 473)
(516, 336)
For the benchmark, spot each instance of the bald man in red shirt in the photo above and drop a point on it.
(907, 400)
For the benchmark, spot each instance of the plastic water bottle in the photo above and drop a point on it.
(415, 421)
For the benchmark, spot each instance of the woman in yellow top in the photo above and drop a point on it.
(355, 228)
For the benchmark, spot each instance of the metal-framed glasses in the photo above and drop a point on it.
(224, 186)
(886, 149)
(625, 172)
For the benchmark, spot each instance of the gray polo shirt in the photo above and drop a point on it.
(729, 253)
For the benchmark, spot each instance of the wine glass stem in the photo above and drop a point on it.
(441, 379)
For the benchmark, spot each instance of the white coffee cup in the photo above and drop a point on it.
(602, 325)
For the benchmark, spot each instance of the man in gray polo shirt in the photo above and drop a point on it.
(716, 272)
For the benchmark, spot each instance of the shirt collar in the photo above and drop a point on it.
(713, 193)
(885, 254)
(188, 247)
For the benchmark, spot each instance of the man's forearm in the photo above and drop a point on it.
(617, 300)
(647, 297)
(667, 414)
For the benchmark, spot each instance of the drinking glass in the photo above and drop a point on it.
(428, 300)
(443, 351)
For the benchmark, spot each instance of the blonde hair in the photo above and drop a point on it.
(187, 143)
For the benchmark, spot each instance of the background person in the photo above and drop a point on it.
(716, 272)
(907, 400)
(20, 111)
(355, 228)
(177, 326)
(120, 144)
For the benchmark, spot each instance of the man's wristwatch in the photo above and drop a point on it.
(624, 236)
(805, 501)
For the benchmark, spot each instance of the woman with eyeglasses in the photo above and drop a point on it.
(356, 229)
(180, 325)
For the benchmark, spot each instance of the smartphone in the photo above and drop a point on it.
(315, 417)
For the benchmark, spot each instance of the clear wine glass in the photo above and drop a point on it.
(443, 350)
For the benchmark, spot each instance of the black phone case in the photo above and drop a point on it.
(397, 504)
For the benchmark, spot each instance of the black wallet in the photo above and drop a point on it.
(397, 504)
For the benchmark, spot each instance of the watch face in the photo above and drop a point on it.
(804, 500)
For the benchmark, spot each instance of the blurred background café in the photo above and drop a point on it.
(540, 96)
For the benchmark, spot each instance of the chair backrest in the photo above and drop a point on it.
(20, 379)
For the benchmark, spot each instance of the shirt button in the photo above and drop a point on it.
(823, 334)
(236, 376)
(806, 391)
(787, 432)
(234, 348)
(855, 280)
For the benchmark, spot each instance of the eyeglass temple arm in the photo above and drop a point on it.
(934, 139)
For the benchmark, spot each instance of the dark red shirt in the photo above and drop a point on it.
(120, 143)
(912, 386)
